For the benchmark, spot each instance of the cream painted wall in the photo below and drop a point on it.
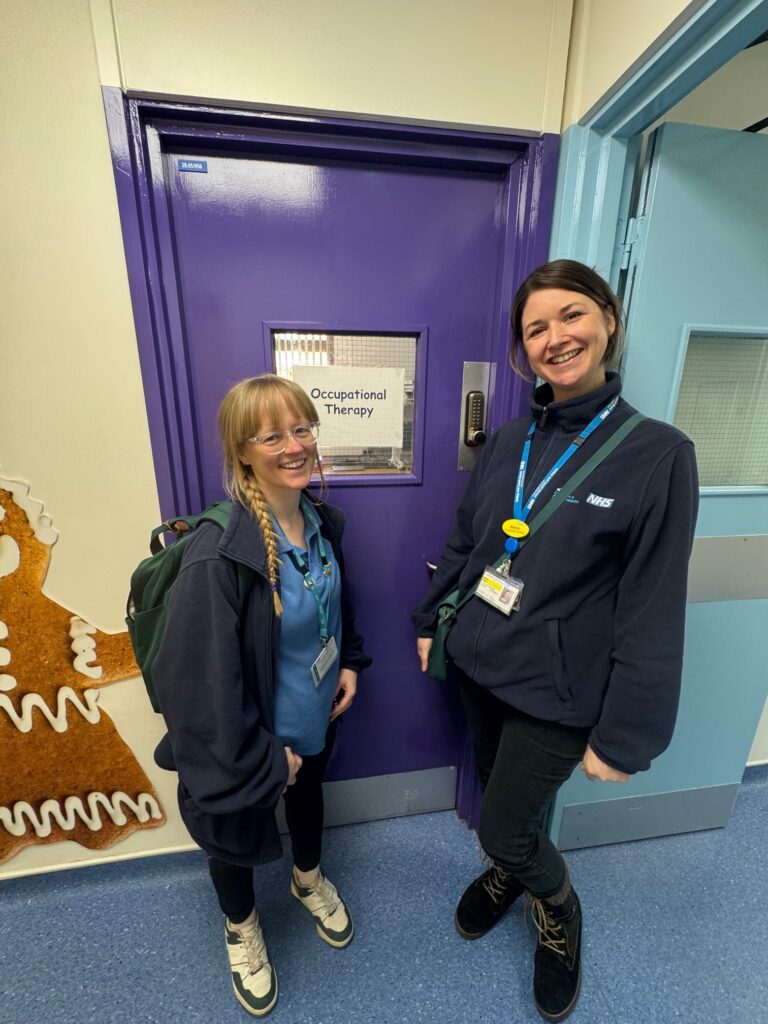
(608, 37)
(759, 751)
(73, 420)
(736, 96)
(492, 62)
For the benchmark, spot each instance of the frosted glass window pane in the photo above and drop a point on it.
(389, 358)
(723, 407)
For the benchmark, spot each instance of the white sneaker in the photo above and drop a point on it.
(332, 918)
(253, 978)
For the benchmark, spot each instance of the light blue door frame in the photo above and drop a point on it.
(598, 155)
(693, 785)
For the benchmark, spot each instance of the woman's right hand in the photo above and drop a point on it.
(294, 763)
(597, 770)
(423, 647)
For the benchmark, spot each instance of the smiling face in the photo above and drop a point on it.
(291, 470)
(565, 335)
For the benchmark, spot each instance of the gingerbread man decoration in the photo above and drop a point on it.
(65, 772)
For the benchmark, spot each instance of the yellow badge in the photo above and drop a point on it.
(515, 528)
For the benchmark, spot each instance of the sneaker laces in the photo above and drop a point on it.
(326, 894)
(255, 948)
(496, 883)
(551, 932)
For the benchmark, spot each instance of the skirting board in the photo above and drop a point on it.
(645, 817)
(386, 796)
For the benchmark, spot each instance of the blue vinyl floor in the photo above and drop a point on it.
(676, 930)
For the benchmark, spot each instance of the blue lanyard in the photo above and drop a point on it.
(522, 512)
(302, 565)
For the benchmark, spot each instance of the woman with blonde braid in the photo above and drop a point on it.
(253, 675)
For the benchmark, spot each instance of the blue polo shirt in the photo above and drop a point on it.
(301, 708)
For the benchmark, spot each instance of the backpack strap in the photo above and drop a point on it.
(217, 513)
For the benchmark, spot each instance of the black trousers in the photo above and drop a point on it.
(304, 817)
(522, 762)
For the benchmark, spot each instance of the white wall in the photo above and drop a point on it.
(490, 62)
(736, 96)
(608, 38)
(73, 416)
(759, 751)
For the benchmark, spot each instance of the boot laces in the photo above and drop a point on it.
(551, 932)
(496, 883)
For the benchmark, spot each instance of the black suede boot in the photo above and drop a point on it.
(557, 965)
(485, 901)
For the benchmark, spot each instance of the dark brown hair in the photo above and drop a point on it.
(571, 276)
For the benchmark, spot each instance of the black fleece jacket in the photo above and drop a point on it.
(215, 683)
(598, 638)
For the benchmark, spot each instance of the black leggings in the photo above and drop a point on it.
(522, 762)
(304, 817)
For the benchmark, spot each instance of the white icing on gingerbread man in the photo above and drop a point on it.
(74, 777)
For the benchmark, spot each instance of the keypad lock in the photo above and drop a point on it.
(474, 419)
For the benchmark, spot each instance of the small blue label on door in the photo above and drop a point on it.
(199, 166)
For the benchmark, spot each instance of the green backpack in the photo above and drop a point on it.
(152, 583)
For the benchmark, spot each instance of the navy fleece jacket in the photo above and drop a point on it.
(214, 676)
(598, 638)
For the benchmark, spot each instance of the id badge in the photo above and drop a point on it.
(323, 661)
(500, 592)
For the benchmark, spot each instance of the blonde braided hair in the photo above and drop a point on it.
(247, 406)
(260, 509)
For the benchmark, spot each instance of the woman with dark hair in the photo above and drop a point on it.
(569, 649)
(251, 684)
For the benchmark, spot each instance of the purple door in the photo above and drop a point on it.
(382, 237)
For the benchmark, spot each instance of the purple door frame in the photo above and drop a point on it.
(139, 128)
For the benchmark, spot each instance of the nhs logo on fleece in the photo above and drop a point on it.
(595, 499)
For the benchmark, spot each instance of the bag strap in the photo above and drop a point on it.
(565, 491)
(217, 513)
(580, 475)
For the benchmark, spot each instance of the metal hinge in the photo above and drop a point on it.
(633, 241)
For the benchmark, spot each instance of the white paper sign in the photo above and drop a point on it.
(358, 406)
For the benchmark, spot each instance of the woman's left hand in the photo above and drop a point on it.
(346, 688)
(597, 770)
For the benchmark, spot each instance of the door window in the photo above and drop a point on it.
(722, 406)
(363, 388)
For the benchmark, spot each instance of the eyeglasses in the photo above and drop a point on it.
(277, 440)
